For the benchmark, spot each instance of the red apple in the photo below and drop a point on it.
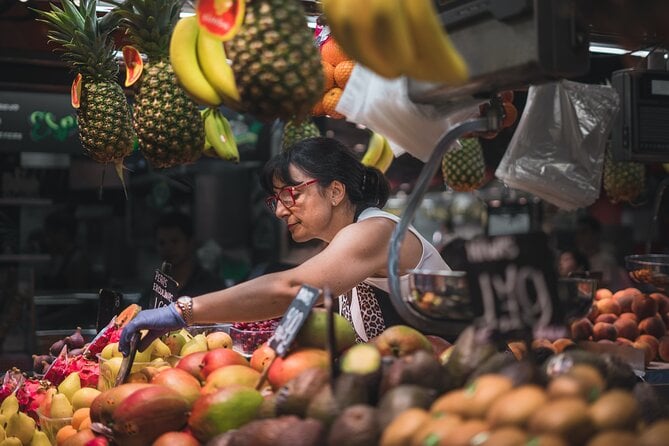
(262, 356)
(644, 306)
(297, 361)
(181, 381)
(603, 293)
(593, 313)
(401, 340)
(606, 306)
(662, 302)
(629, 316)
(663, 348)
(652, 342)
(439, 344)
(648, 353)
(192, 363)
(624, 341)
(627, 328)
(229, 375)
(653, 326)
(607, 317)
(220, 357)
(604, 330)
(175, 439)
(581, 330)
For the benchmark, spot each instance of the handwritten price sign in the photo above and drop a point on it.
(513, 284)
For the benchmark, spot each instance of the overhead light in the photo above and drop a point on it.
(612, 49)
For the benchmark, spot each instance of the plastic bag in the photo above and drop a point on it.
(384, 106)
(557, 150)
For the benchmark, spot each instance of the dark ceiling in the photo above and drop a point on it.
(27, 62)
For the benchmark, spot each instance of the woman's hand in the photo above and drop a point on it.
(157, 321)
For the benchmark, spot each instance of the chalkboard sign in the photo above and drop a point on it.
(513, 284)
(164, 289)
(293, 319)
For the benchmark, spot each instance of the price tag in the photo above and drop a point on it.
(513, 284)
(164, 289)
(293, 319)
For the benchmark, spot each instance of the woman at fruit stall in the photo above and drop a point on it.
(320, 190)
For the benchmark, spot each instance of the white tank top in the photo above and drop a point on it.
(430, 259)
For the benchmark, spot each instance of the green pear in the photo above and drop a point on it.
(9, 406)
(108, 350)
(201, 337)
(108, 372)
(192, 346)
(3, 421)
(160, 349)
(40, 439)
(3, 435)
(186, 334)
(175, 341)
(70, 385)
(145, 356)
(84, 397)
(61, 406)
(21, 426)
(11, 441)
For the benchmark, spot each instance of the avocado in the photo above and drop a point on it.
(293, 397)
(401, 398)
(355, 426)
(419, 367)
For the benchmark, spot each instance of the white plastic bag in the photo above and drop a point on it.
(557, 150)
(384, 106)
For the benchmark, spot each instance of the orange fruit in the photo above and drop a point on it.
(64, 433)
(332, 53)
(342, 72)
(330, 101)
(328, 74)
(85, 423)
(318, 109)
(80, 415)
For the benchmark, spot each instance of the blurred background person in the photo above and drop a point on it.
(572, 260)
(69, 265)
(175, 245)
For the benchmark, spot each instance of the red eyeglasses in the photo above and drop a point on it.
(285, 196)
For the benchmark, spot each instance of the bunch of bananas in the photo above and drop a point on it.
(201, 66)
(378, 153)
(396, 37)
(219, 140)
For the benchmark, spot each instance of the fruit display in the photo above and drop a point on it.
(166, 119)
(276, 66)
(379, 154)
(463, 167)
(337, 68)
(623, 181)
(629, 318)
(397, 37)
(104, 121)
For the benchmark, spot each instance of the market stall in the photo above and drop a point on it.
(501, 351)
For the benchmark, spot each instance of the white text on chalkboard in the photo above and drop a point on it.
(499, 248)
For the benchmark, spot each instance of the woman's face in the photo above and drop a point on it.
(311, 212)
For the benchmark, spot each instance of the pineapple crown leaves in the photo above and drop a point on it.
(82, 37)
(149, 24)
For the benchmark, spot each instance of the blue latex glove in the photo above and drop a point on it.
(157, 321)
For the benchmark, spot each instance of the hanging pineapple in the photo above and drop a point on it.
(463, 166)
(103, 115)
(166, 119)
(276, 65)
(623, 180)
(294, 131)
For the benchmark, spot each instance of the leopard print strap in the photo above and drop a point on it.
(370, 310)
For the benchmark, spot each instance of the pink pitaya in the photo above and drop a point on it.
(98, 441)
(11, 380)
(30, 395)
(89, 370)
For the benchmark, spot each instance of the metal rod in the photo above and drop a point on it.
(446, 141)
(656, 210)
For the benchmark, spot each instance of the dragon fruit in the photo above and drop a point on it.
(11, 380)
(89, 370)
(30, 395)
